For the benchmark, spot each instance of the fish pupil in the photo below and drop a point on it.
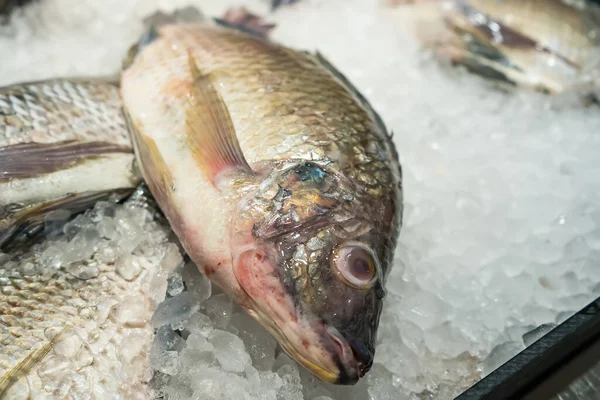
(360, 267)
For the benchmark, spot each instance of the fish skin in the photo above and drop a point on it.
(64, 335)
(317, 170)
(54, 135)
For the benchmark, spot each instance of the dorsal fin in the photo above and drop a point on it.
(153, 22)
(209, 129)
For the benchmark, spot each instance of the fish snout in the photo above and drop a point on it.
(353, 357)
(364, 356)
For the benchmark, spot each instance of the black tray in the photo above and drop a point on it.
(548, 366)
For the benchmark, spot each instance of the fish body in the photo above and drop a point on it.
(545, 44)
(279, 179)
(63, 145)
(75, 309)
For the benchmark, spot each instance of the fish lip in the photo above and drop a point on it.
(350, 367)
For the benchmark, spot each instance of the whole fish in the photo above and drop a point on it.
(545, 44)
(279, 179)
(63, 145)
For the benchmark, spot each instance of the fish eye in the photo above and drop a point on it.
(355, 264)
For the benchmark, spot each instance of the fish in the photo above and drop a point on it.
(278, 177)
(64, 146)
(77, 324)
(547, 45)
(241, 18)
(275, 4)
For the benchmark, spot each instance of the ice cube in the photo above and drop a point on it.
(107, 228)
(130, 232)
(82, 246)
(54, 222)
(84, 269)
(423, 308)
(128, 266)
(72, 228)
(199, 342)
(133, 311)
(534, 335)
(167, 340)
(381, 384)
(165, 362)
(106, 253)
(219, 309)
(259, 343)
(174, 284)
(576, 248)
(165, 349)
(172, 259)
(499, 355)
(292, 387)
(270, 383)
(446, 341)
(230, 351)
(196, 282)
(28, 269)
(104, 210)
(398, 359)
(200, 324)
(175, 311)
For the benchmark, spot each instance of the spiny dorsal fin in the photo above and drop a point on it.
(209, 128)
(26, 365)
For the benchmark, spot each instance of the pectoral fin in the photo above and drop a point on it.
(153, 166)
(26, 160)
(18, 224)
(209, 129)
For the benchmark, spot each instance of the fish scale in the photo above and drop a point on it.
(46, 311)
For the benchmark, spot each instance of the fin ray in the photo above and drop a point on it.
(26, 160)
(20, 223)
(26, 365)
(209, 128)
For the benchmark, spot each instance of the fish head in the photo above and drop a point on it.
(313, 264)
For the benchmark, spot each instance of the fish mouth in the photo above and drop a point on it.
(319, 347)
(324, 351)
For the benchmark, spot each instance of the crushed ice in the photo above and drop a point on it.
(501, 228)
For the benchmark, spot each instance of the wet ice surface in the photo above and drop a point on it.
(502, 218)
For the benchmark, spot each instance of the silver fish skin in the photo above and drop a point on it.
(63, 145)
(76, 309)
(279, 179)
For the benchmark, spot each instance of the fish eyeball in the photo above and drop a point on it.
(355, 265)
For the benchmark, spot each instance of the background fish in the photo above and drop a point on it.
(545, 44)
(279, 179)
(63, 145)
